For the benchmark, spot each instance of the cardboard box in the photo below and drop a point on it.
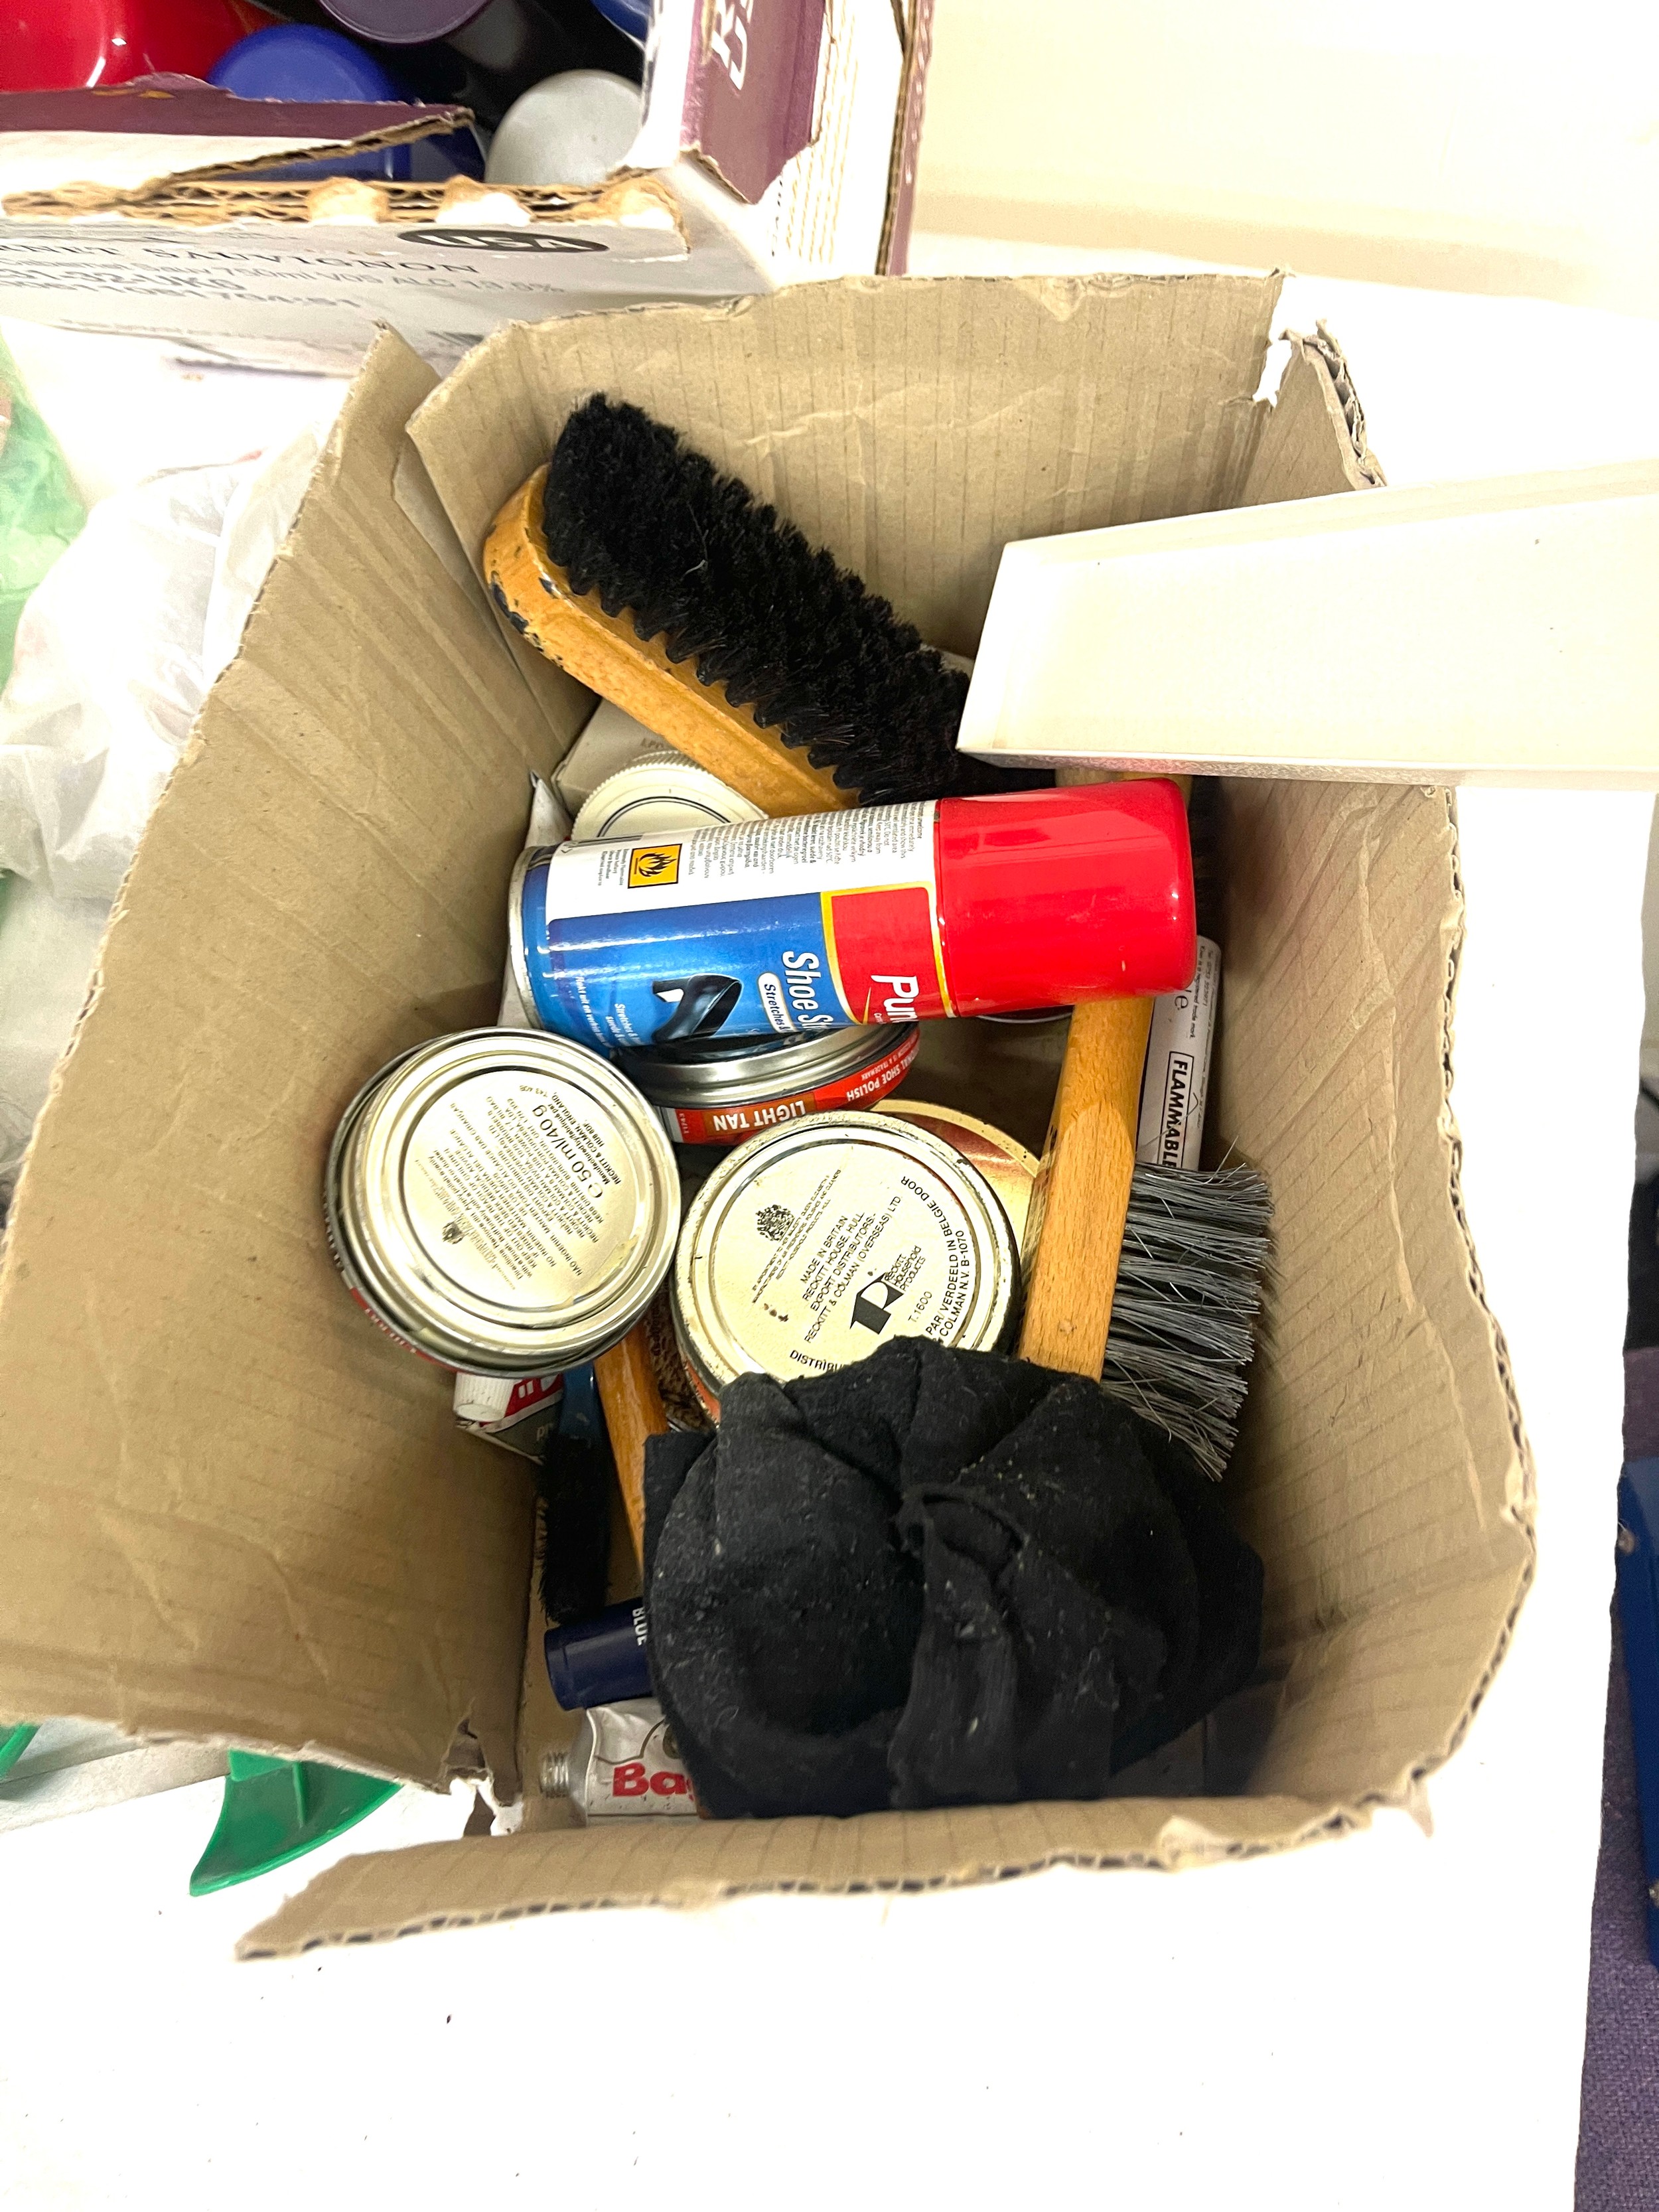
(770, 150)
(255, 1521)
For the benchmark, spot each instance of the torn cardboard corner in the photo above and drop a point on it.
(256, 1521)
(752, 90)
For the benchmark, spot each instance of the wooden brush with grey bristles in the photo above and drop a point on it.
(1150, 1278)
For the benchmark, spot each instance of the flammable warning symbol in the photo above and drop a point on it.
(651, 866)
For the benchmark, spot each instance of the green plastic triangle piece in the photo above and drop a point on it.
(15, 1742)
(279, 1809)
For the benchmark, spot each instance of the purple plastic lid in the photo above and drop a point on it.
(404, 22)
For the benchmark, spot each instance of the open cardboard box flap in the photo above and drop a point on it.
(229, 1507)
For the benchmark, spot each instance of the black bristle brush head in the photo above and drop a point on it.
(653, 529)
(1206, 825)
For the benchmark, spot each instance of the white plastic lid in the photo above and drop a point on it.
(572, 129)
(656, 797)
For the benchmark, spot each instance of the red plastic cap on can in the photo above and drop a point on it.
(1047, 897)
(65, 46)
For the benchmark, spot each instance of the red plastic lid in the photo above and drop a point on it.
(1047, 898)
(57, 45)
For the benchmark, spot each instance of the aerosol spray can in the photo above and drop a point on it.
(623, 1764)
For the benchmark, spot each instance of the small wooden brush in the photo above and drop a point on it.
(604, 651)
(672, 591)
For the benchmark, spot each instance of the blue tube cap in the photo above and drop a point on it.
(602, 1661)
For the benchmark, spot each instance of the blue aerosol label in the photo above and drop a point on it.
(778, 927)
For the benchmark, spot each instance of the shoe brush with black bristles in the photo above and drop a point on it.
(672, 591)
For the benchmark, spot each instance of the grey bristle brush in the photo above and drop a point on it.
(1195, 1248)
(1148, 1278)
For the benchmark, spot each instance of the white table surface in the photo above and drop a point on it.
(1393, 2019)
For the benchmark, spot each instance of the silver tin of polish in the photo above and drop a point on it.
(502, 1202)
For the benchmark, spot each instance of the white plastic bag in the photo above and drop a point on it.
(115, 654)
(106, 680)
(257, 521)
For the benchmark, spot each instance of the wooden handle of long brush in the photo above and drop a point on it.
(605, 652)
(633, 1413)
(1085, 1187)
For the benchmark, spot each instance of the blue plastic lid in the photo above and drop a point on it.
(631, 17)
(295, 61)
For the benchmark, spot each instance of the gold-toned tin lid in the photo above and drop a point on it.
(812, 1245)
(1006, 1164)
(509, 1201)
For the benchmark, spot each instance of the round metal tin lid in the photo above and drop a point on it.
(655, 799)
(738, 1070)
(808, 1247)
(1006, 1164)
(510, 1199)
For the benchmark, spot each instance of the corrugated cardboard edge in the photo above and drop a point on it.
(1324, 348)
(282, 154)
(1315, 380)
(892, 255)
(686, 1866)
(241, 194)
(1524, 1513)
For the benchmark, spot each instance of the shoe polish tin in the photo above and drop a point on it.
(502, 1202)
(719, 1090)
(808, 1247)
(1006, 1164)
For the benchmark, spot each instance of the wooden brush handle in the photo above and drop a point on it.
(605, 652)
(1087, 1168)
(633, 1413)
(1085, 1187)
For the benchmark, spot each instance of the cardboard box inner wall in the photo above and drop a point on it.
(230, 1507)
